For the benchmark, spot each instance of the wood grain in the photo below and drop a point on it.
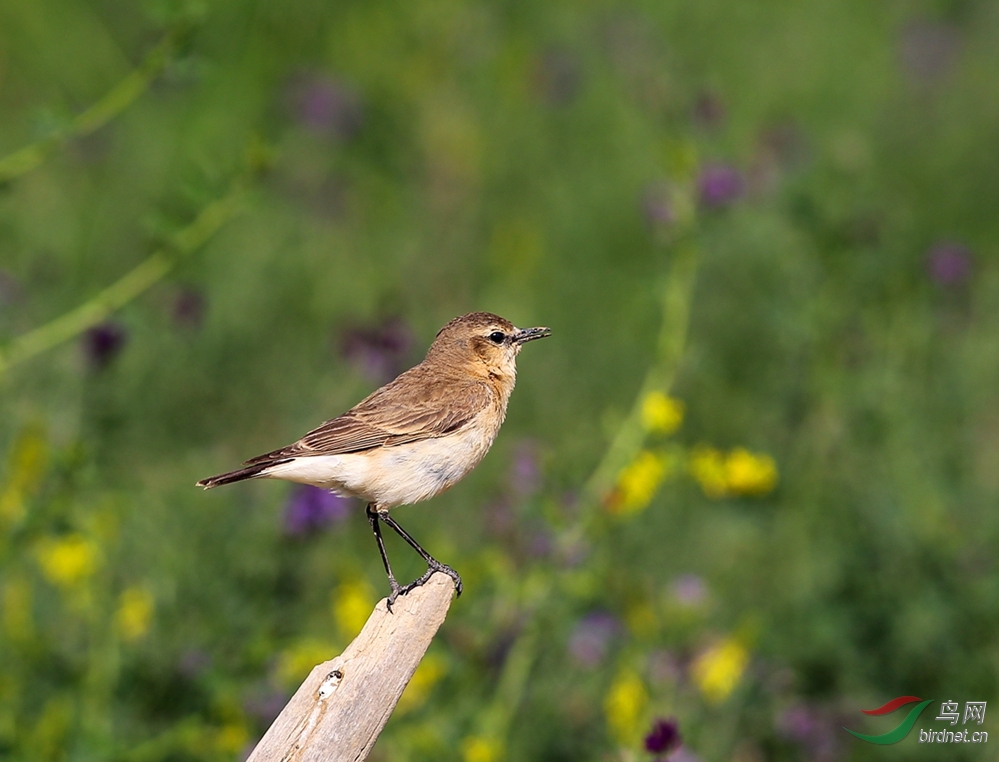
(338, 712)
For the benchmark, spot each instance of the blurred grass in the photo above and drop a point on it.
(431, 159)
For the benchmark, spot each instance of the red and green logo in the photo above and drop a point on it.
(896, 735)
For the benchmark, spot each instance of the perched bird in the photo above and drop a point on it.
(415, 437)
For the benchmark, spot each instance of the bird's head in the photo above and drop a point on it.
(484, 344)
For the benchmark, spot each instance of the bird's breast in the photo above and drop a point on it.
(417, 471)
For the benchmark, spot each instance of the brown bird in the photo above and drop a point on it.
(415, 437)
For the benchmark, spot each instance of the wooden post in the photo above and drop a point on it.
(338, 712)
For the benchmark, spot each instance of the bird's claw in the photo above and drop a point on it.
(398, 589)
(431, 570)
(455, 577)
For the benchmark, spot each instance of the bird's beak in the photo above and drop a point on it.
(524, 335)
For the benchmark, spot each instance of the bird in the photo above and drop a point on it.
(413, 438)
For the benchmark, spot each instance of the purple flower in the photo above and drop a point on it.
(949, 263)
(103, 342)
(327, 107)
(720, 185)
(310, 508)
(377, 352)
(592, 636)
(189, 308)
(689, 589)
(664, 737)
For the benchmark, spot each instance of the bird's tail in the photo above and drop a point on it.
(249, 472)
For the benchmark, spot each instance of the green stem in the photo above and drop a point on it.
(96, 116)
(676, 299)
(128, 287)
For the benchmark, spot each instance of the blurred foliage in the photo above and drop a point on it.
(746, 489)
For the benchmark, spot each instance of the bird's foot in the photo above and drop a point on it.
(398, 589)
(437, 566)
(455, 577)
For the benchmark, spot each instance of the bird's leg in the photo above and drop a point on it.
(396, 589)
(432, 563)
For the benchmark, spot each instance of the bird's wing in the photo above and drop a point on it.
(408, 409)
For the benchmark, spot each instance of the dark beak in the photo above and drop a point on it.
(525, 335)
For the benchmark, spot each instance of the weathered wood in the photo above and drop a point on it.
(338, 712)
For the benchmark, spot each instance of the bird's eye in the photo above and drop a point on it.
(496, 337)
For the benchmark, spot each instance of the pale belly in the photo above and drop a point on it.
(391, 476)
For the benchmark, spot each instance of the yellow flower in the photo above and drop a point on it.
(481, 749)
(748, 473)
(740, 472)
(431, 669)
(135, 612)
(624, 706)
(69, 560)
(661, 414)
(295, 662)
(707, 466)
(718, 669)
(638, 482)
(353, 602)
